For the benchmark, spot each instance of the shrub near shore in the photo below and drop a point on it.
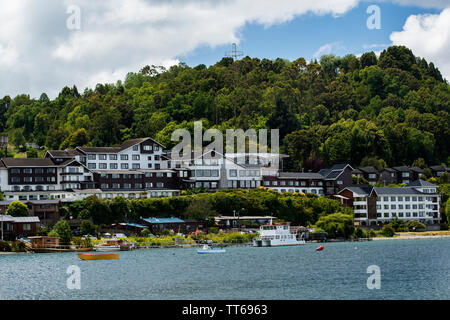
(161, 241)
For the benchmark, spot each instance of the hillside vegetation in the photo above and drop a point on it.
(393, 109)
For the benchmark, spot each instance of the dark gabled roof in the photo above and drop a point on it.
(70, 153)
(340, 166)
(300, 175)
(356, 171)
(419, 183)
(401, 168)
(417, 169)
(362, 190)
(334, 174)
(28, 162)
(389, 170)
(438, 168)
(99, 149)
(369, 170)
(124, 146)
(131, 143)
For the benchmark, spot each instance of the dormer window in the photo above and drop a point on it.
(136, 148)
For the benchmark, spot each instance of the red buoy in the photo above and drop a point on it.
(319, 248)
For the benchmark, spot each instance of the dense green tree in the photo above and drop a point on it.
(17, 209)
(62, 231)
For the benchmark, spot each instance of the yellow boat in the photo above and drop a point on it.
(101, 256)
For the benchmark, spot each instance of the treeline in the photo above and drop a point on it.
(394, 108)
(297, 208)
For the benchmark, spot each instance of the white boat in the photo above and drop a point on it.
(109, 245)
(208, 250)
(103, 248)
(276, 234)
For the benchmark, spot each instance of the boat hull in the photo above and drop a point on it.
(104, 256)
(213, 251)
(275, 243)
(107, 248)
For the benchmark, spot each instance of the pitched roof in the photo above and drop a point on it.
(417, 169)
(401, 168)
(419, 183)
(362, 191)
(69, 153)
(28, 162)
(122, 147)
(394, 191)
(438, 168)
(369, 169)
(163, 220)
(301, 175)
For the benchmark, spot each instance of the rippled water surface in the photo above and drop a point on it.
(410, 269)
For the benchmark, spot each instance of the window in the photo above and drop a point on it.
(27, 171)
(393, 198)
(127, 185)
(92, 157)
(115, 176)
(149, 165)
(92, 166)
(113, 157)
(124, 166)
(148, 148)
(136, 157)
(27, 227)
(136, 148)
(39, 171)
(233, 173)
(15, 179)
(124, 157)
(102, 157)
(51, 170)
(138, 185)
(39, 179)
(27, 179)
(136, 166)
(113, 166)
(103, 166)
(105, 186)
(149, 185)
(160, 185)
(15, 171)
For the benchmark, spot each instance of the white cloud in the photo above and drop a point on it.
(438, 4)
(38, 53)
(328, 49)
(429, 37)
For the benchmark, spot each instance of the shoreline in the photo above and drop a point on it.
(412, 237)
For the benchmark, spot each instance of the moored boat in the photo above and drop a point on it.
(98, 256)
(109, 245)
(277, 234)
(208, 250)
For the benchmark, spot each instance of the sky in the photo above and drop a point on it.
(48, 44)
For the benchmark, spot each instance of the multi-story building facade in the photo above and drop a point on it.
(417, 200)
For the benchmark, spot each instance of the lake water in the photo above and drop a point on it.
(410, 269)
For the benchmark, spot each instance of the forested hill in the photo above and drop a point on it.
(394, 108)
